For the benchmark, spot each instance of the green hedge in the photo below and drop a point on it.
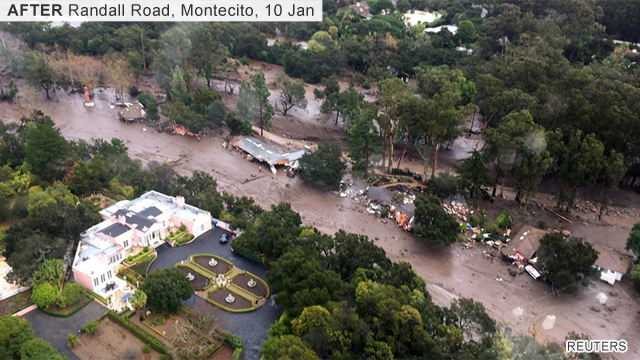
(184, 239)
(83, 302)
(211, 273)
(230, 309)
(246, 253)
(97, 297)
(136, 258)
(139, 333)
(199, 272)
(237, 354)
(258, 278)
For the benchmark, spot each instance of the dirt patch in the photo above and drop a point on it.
(220, 295)
(199, 282)
(110, 342)
(220, 268)
(224, 353)
(15, 303)
(260, 290)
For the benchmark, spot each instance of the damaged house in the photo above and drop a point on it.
(132, 112)
(380, 198)
(253, 148)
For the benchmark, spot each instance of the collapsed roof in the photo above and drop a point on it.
(265, 152)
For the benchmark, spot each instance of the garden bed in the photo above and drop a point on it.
(180, 237)
(224, 353)
(260, 290)
(55, 310)
(16, 303)
(221, 268)
(218, 297)
(138, 257)
(199, 282)
(110, 342)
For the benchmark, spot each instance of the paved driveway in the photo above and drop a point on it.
(251, 326)
(55, 330)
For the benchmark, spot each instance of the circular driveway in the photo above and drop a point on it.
(251, 326)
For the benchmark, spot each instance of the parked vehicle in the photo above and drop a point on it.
(224, 238)
(532, 271)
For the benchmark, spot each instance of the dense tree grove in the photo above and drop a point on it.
(344, 299)
(544, 75)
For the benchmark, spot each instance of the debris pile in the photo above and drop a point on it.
(180, 130)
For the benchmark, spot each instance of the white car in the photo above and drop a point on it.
(532, 271)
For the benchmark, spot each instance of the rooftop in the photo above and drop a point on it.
(452, 29)
(265, 152)
(416, 17)
(116, 229)
(151, 204)
(90, 248)
(526, 241)
(611, 260)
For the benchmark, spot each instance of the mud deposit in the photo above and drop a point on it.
(449, 272)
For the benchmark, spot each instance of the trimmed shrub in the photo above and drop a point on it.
(146, 348)
(90, 328)
(72, 340)
(183, 227)
(160, 320)
(236, 342)
(70, 294)
(43, 295)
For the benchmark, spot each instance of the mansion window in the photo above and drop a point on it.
(96, 282)
(126, 243)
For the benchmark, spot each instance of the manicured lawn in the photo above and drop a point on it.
(141, 266)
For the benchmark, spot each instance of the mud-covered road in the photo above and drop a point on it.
(449, 272)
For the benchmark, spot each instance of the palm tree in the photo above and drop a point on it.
(139, 301)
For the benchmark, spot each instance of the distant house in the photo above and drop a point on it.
(612, 265)
(128, 227)
(453, 29)
(362, 9)
(415, 17)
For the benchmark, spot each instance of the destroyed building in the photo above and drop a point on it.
(380, 198)
(132, 112)
(253, 148)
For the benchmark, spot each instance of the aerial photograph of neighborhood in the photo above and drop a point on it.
(402, 180)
